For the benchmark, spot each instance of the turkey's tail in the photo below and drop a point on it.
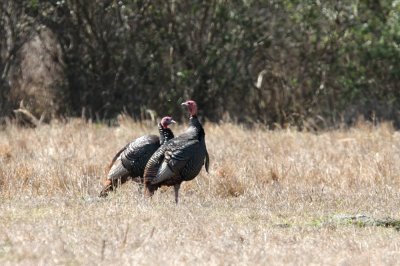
(117, 175)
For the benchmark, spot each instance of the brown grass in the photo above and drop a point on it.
(267, 200)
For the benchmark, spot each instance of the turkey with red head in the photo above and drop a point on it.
(180, 159)
(131, 160)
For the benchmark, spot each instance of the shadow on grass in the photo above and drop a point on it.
(359, 220)
(340, 220)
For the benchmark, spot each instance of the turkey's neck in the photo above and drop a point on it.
(195, 123)
(165, 134)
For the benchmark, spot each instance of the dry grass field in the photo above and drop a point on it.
(271, 198)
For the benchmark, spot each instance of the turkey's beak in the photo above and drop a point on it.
(185, 104)
(173, 122)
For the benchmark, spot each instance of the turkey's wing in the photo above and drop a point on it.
(175, 158)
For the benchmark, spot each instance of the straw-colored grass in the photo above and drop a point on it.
(269, 199)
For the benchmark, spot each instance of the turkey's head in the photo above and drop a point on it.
(191, 107)
(166, 121)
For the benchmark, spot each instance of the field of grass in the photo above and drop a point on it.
(272, 197)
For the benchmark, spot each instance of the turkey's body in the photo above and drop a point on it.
(131, 160)
(180, 159)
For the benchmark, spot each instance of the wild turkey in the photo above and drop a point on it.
(131, 160)
(180, 159)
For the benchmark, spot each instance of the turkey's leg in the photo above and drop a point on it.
(176, 190)
(148, 191)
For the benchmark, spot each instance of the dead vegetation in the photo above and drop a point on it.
(267, 198)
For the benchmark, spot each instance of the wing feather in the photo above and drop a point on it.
(116, 156)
